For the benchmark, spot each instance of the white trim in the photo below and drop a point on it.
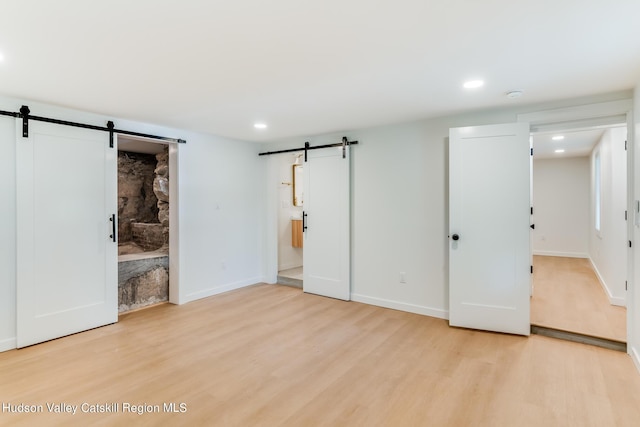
(561, 254)
(612, 300)
(631, 274)
(402, 306)
(220, 289)
(635, 356)
(583, 115)
(8, 344)
(175, 294)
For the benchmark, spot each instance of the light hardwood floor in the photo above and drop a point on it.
(270, 355)
(568, 296)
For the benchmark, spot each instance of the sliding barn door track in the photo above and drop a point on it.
(25, 115)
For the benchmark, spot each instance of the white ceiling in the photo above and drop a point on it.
(575, 143)
(308, 67)
(140, 145)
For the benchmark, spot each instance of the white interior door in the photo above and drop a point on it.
(66, 259)
(326, 220)
(489, 205)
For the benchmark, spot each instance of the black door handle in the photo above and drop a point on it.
(455, 237)
(533, 226)
(113, 227)
(304, 221)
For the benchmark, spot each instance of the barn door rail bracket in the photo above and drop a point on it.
(25, 115)
(345, 142)
(110, 126)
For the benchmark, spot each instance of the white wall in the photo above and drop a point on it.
(220, 206)
(608, 248)
(221, 201)
(288, 256)
(561, 206)
(399, 207)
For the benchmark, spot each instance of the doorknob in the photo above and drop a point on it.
(455, 237)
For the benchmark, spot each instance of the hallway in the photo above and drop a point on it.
(568, 296)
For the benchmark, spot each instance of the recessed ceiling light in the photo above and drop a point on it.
(558, 137)
(514, 94)
(260, 125)
(560, 150)
(473, 84)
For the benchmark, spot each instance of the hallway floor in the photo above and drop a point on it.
(567, 295)
(292, 273)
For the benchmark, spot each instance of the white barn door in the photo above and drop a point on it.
(326, 223)
(489, 213)
(66, 256)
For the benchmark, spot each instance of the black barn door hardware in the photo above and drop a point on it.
(304, 221)
(25, 115)
(24, 112)
(110, 126)
(307, 147)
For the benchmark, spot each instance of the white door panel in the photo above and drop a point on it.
(489, 207)
(326, 255)
(66, 259)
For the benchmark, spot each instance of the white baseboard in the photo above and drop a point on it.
(8, 344)
(635, 356)
(561, 254)
(222, 288)
(612, 300)
(402, 306)
(268, 280)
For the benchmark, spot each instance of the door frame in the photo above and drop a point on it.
(175, 294)
(611, 112)
(272, 204)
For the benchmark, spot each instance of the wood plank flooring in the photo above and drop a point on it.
(270, 355)
(568, 296)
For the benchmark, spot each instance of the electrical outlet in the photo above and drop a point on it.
(403, 277)
(223, 265)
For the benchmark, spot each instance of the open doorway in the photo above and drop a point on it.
(143, 223)
(580, 235)
(290, 218)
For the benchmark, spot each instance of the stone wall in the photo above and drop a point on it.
(142, 282)
(137, 201)
(143, 215)
(143, 202)
(149, 237)
(161, 190)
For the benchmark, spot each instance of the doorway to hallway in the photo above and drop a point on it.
(580, 233)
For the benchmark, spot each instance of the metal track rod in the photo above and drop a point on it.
(291, 150)
(93, 127)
